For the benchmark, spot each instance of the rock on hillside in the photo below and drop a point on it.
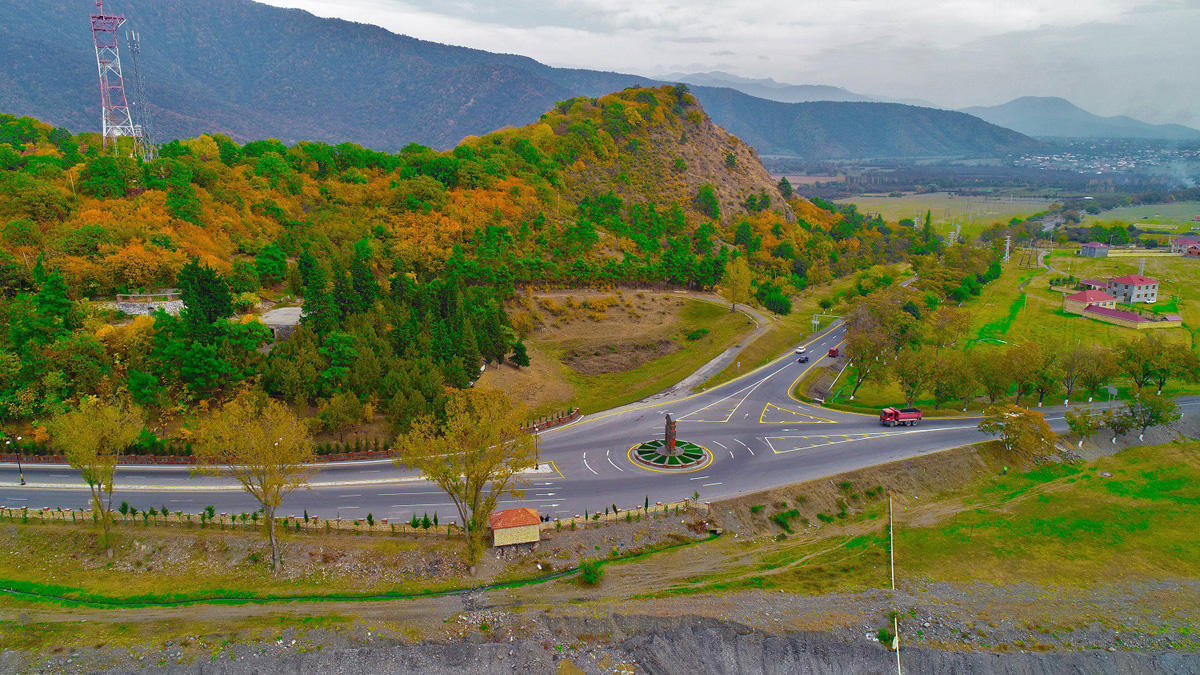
(659, 145)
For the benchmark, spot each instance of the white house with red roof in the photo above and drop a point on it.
(1134, 288)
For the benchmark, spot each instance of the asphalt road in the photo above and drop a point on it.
(759, 437)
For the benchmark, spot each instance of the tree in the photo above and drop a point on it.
(785, 187)
(707, 203)
(1098, 371)
(92, 438)
(261, 444)
(206, 295)
(865, 350)
(953, 379)
(1074, 363)
(1138, 358)
(1148, 409)
(737, 282)
(991, 371)
(1047, 373)
(520, 357)
(1174, 360)
(342, 411)
(1024, 433)
(271, 264)
(475, 456)
(947, 325)
(914, 370)
(1084, 422)
(1117, 421)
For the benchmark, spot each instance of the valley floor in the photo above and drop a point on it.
(1089, 567)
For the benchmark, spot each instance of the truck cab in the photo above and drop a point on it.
(904, 417)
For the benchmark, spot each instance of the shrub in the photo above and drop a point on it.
(757, 508)
(590, 573)
(783, 519)
(697, 334)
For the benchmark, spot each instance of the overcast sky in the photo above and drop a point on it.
(1109, 56)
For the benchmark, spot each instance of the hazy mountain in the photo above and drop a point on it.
(844, 130)
(254, 71)
(1049, 116)
(768, 88)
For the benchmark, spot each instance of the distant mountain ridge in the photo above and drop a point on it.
(1048, 116)
(768, 88)
(254, 71)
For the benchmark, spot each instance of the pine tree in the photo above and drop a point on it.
(363, 281)
(520, 357)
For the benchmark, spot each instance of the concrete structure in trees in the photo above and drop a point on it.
(1094, 249)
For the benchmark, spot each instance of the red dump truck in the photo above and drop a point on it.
(904, 417)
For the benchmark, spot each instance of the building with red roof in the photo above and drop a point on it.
(1078, 302)
(1134, 288)
(515, 526)
(1183, 243)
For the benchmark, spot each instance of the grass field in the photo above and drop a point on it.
(1059, 525)
(1177, 216)
(1019, 306)
(974, 213)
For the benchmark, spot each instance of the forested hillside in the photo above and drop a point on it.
(402, 261)
(251, 71)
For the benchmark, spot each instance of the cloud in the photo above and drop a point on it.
(1111, 55)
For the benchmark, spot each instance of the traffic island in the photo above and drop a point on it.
(654, 455)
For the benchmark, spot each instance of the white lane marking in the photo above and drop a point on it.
(17, 499)
(614, 465)
(711, 484)
(180, 501)
(544, 494)
(720, 444)
(750, 449)
(738, 440)
(350, 496)
(349, 507)
(731, 455)
(589, 466)
(700, 477)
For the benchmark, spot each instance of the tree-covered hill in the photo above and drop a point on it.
(403, 260)
(253, 71)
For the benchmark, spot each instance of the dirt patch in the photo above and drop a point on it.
(616, 358)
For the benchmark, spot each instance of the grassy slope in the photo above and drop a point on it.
(1058, 526)
(607, 390)
(549, 384)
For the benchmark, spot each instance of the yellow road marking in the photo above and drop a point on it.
(797, 417)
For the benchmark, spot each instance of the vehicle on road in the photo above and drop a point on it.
(803, 359)
(833, 352)
(800, 349)
(904, 417)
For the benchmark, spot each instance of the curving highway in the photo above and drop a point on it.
(759, 437)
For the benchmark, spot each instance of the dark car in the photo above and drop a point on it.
(802, 359)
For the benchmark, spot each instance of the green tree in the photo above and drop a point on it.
(1148, 409)
(1084, 422)
(206, 295)
(785, 188)
(271, 264)
(520, 357)
(707, 203)
(341, 412)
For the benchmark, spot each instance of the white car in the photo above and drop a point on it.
(800, 349)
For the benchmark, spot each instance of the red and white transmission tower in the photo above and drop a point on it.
(116, 120)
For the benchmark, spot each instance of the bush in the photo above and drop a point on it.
(590, 573)
(885, 637)
(697, 334)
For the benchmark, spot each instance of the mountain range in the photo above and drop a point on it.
(252, 70)
(1049, 117)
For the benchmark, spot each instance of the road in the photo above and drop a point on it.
(759, 436)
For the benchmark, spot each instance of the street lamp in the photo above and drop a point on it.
(20, 469)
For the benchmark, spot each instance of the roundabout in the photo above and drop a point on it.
(657, 456)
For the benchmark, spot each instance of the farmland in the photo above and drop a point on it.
(974, 212)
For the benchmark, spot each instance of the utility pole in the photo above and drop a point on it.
(1007, 247)
(892, 565)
